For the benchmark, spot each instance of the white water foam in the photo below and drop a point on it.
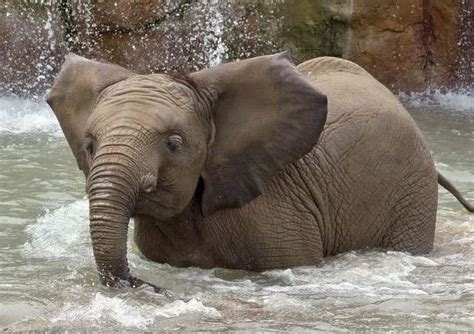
(63, 232)
(127, 313)
(461, 101)
(358, 274)
(25, 116)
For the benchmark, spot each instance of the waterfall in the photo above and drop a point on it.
(49, 26)
(214, 45)
(347, 51)
(47, 54)
(465, 62)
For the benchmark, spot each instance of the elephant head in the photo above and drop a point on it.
(144, 142)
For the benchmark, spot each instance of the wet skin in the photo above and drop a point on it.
(250, 165)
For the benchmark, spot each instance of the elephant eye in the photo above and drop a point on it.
(90, 147)
(174, 143)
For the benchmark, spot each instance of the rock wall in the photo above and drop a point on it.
(388, 39)
(409, 45)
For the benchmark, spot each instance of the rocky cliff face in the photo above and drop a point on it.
(409, 45)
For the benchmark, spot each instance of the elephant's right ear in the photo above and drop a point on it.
(74, 92)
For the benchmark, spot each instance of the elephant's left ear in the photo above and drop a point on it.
(74, 92)
(267, 115)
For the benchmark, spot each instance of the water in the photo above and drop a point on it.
(48, 278)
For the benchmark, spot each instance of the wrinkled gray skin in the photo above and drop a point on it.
(224, 167)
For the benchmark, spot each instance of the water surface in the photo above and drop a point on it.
(48, 277)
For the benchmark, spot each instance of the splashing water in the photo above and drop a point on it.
(462, 100)
(103, 310)
(49, 280)
(26, 116)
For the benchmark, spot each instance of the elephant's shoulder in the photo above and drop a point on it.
(325, 65)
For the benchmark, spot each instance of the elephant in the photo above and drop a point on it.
(256, 164)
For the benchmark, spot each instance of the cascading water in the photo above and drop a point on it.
(49, 279)
(214, 45)
(465, 63)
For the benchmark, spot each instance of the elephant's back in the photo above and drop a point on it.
(369, 152)
(361, 110)
(348, 87)
(327, 65)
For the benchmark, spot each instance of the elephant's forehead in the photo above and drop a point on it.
(146, 90)
(157, 98)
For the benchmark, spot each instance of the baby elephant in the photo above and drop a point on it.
(254, 165)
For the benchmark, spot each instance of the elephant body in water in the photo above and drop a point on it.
(254, 165)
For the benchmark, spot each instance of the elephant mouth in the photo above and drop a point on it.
(150, 205)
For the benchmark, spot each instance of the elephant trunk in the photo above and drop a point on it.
(113, 191)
